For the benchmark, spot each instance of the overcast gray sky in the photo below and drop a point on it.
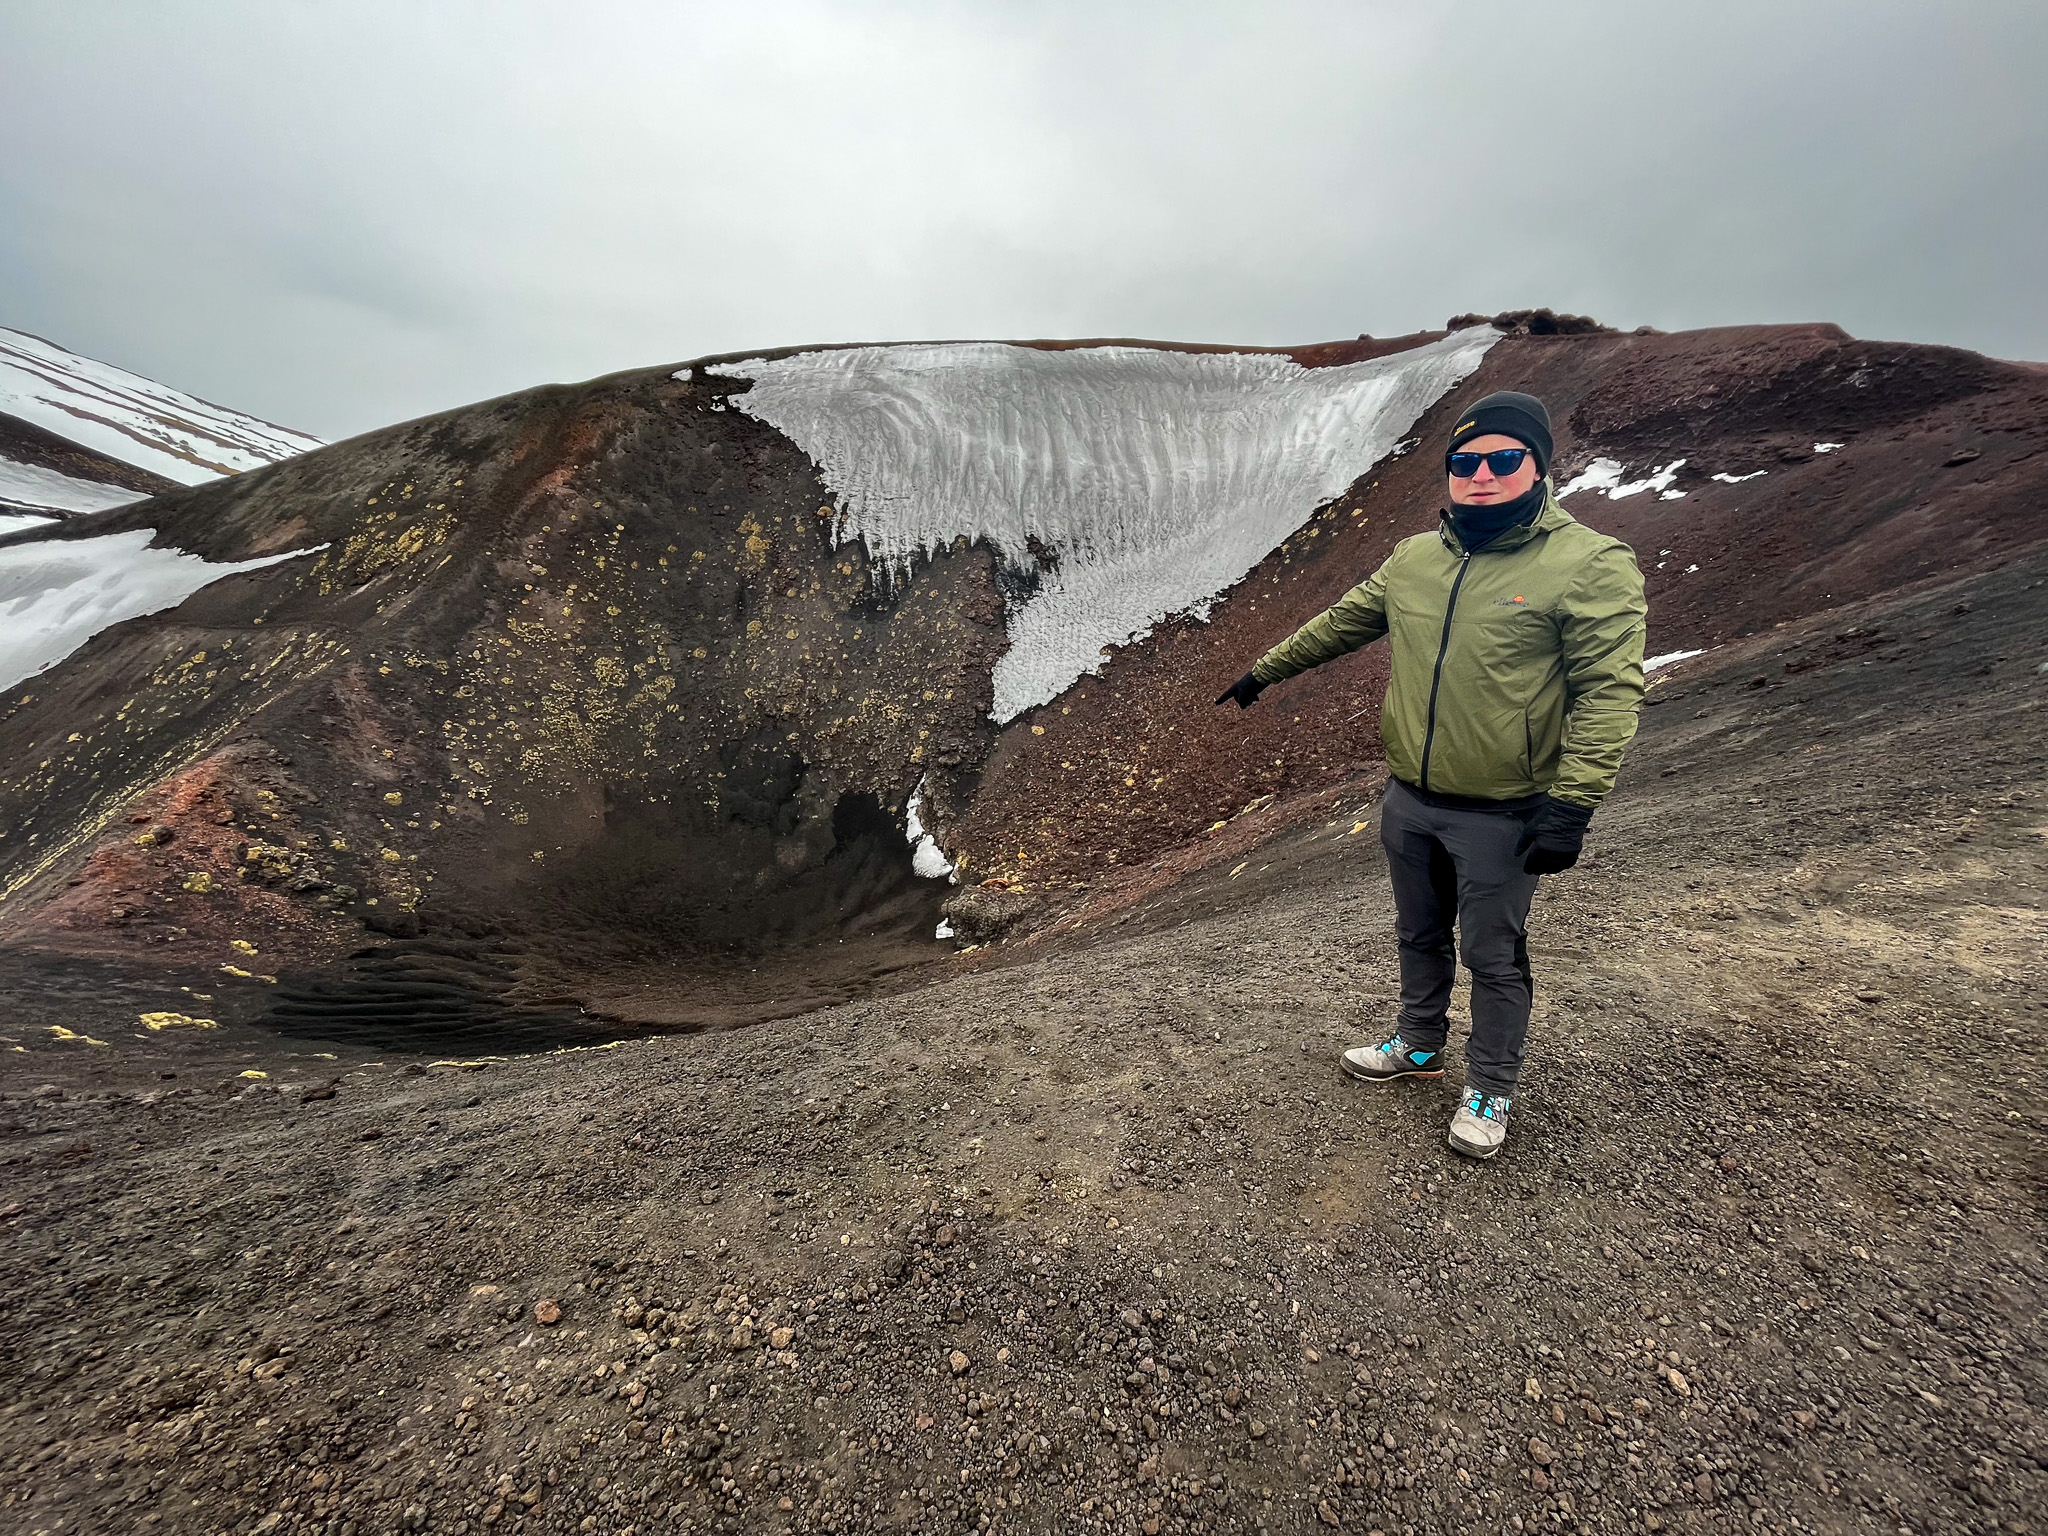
(344, 214)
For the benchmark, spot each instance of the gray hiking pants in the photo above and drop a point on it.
(1459, 865)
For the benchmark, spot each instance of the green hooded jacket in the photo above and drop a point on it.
(1517, 670)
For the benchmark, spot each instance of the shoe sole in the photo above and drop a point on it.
(1378, 1077)
(1466, 1149)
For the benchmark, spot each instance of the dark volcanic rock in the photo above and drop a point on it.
(983, 916)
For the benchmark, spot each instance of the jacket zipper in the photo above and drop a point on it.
(1443, 648)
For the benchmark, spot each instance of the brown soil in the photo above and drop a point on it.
(1093, 1237)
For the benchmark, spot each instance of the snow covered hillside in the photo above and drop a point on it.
(56, 594)
(119, 416)
(1129, 482)
(29, 493)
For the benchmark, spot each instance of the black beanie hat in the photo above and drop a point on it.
(1511, 414)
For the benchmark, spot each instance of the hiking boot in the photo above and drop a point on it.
(1392, 1058)
(1481, 1123)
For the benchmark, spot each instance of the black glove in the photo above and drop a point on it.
(1245, 690)
(1553, 836)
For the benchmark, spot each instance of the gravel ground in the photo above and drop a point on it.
(1093, 1237)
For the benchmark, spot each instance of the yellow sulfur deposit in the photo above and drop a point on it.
(157, 1021)
(59, 1032)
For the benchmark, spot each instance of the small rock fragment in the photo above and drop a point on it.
(547, 1313)
(959, 1362)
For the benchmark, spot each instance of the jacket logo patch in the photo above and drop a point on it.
(1510, 602)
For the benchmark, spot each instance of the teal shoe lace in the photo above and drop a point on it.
(1488, 1106)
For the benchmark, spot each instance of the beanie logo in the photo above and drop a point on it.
(1461, 427)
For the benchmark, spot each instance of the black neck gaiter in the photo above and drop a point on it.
(1478, 527)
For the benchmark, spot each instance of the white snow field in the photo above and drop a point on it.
(1158, 478)
(32, 488)
(56, 594)
(134, 419)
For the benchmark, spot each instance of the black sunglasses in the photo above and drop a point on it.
(1502, 461)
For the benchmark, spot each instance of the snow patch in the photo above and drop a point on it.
(928, 859)
(945, 931)
(1155, 480)
(1727, 479)
(1605, 475)
(56, 594)
(1600, 475)
(1825, 447)
(1658, 480)
(1669, 658)
(14, 522)
(32, 488)
(133, 419)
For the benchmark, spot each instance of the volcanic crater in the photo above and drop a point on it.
(386, 1152)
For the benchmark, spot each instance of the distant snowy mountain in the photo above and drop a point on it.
(74, 433)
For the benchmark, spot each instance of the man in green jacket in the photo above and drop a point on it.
(1517, 635)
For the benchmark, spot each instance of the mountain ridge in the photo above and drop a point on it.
(76, 432)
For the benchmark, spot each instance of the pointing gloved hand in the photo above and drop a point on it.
(1245, 690)
(1553, 836)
